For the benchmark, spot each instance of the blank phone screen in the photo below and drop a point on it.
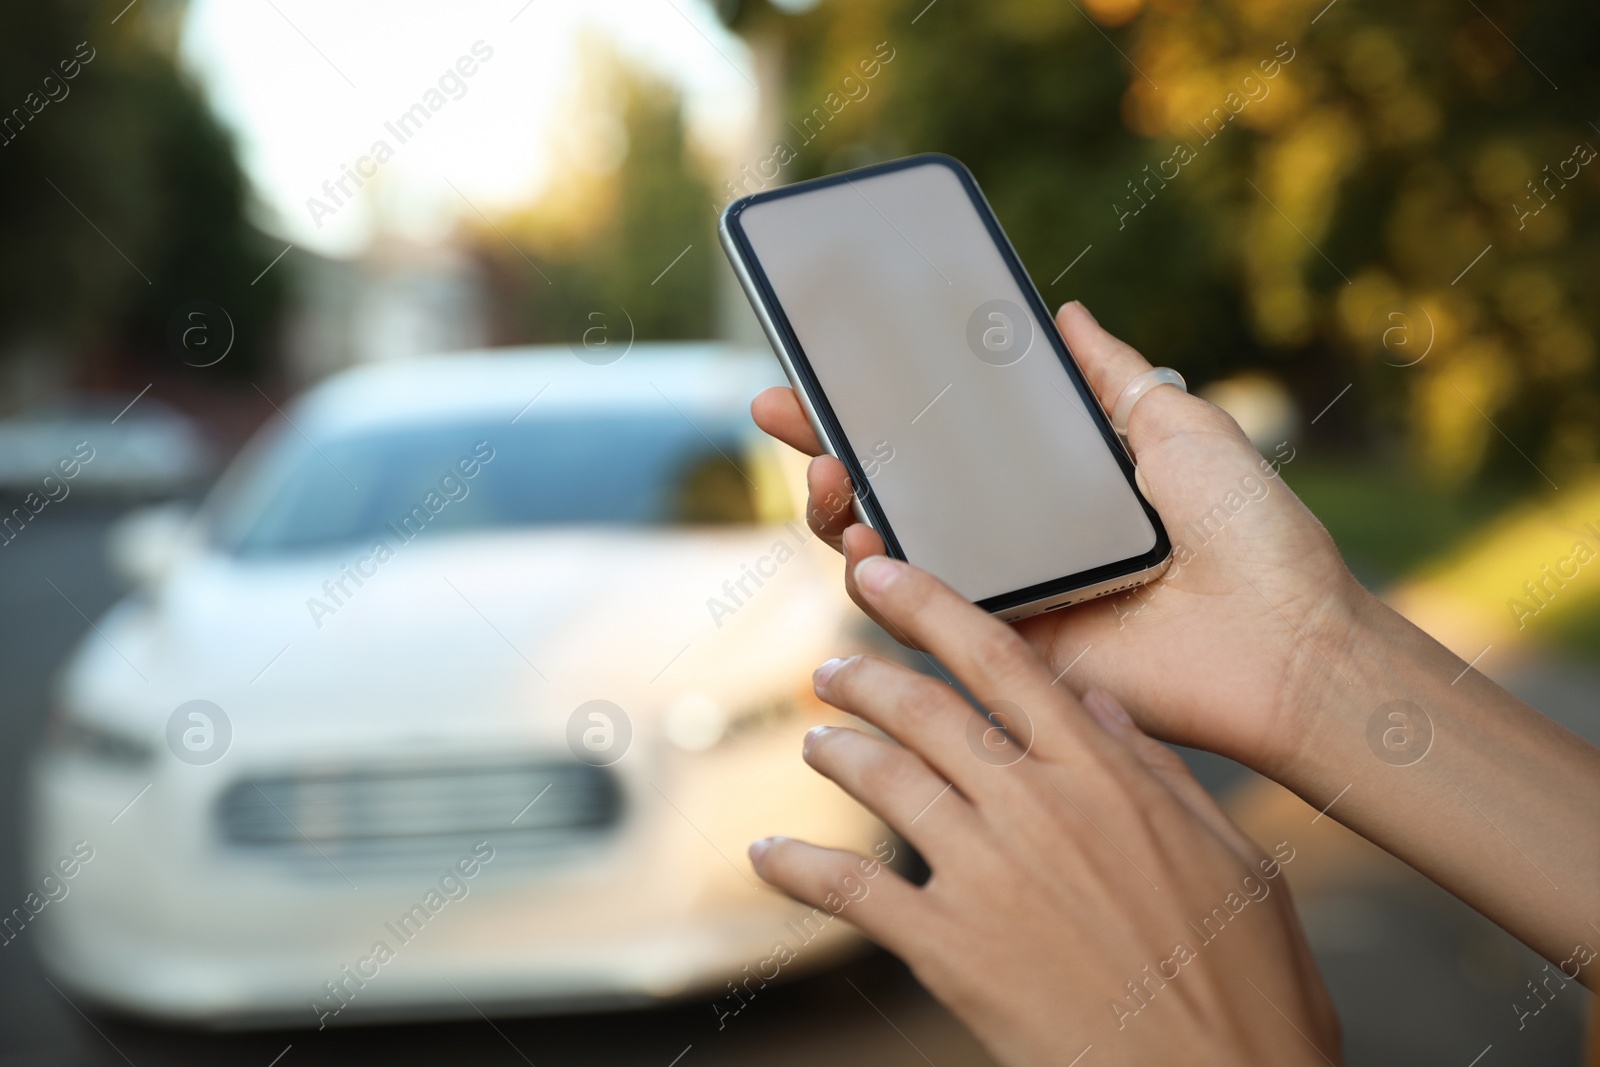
(973, 436)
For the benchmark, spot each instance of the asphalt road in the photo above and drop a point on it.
(1419, 978)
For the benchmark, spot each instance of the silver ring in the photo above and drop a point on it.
(1135, 391)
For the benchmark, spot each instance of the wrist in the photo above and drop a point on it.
(1349, 650)
(1442, 768)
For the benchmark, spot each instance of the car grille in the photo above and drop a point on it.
(405, 818)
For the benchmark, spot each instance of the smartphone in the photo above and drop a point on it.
(927, 362)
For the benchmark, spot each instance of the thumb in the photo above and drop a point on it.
(1110, 364)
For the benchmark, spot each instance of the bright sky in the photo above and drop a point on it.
(308, 86)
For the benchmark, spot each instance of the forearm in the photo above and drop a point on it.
(1469, 785)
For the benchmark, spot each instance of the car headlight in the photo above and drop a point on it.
(695, 721)
(67, 732)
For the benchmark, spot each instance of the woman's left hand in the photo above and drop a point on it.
(1086, 891)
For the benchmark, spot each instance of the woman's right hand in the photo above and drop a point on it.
(1257, 604)
(1086, 892)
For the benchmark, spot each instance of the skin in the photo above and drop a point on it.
(1257, 644)
(1075, 815)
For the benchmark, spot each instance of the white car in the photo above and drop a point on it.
(465, 690)
(128, 446)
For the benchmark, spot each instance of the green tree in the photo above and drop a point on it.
(120, 195)
(1364, 176)
(603, 240)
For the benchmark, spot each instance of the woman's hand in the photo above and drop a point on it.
(1086, 891)
(1258, 644)
(1256, 606)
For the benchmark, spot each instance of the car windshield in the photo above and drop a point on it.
(621, 469)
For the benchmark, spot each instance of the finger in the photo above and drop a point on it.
(1110, 364)
(829, 498)
(1107, 361)
(861, 541)
(986, 655)
(1170, 770)
(926, 716)
(777, 411)
(839, 884)
(896, 785)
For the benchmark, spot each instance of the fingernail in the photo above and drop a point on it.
(820, 676)
(759, 848)
(874, 573)
(1106, 711)
(1087, 312)
(811, 736)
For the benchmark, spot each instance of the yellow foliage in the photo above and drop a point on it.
(1563, 350)
(1113, 12)
(1303, 168)
(1454, 402)
(1283, 311)
(1499, 170)
(1016, 19)
(1367, 292)
(1299, 174)
(1407, 117)
(1398, 143)
(1529, 296)
(1374, 62)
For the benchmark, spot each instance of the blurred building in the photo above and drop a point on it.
(398, 300)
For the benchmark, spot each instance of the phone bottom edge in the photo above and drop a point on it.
(1085, 593)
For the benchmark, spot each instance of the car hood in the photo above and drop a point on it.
(472, 633)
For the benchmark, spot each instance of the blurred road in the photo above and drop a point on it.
(1419, 978)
